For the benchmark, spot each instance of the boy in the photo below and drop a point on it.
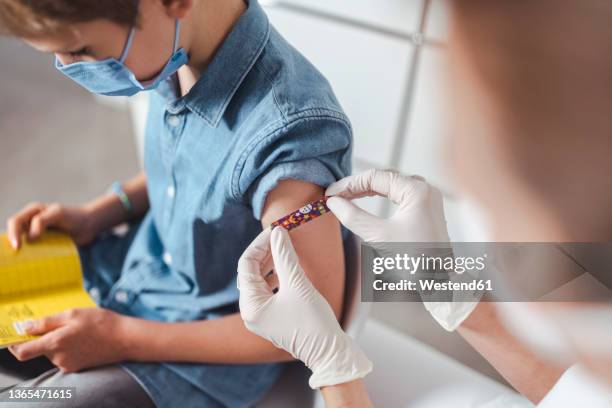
(241, 130)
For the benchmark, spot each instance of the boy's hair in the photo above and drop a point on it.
(35, 18)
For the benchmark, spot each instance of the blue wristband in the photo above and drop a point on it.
(117, 189)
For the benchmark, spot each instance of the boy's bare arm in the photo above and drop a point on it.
(317, 243)
(226, 340)
(82, 223)
(86, 338)
(108, 211)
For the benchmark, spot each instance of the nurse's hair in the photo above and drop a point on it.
(38, 18)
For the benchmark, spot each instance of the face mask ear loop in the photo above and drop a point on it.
(177, 35)
(128, 45)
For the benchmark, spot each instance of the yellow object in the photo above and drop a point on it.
(42, 278)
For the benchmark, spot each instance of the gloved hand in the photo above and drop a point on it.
(419, 218)
(297, 318)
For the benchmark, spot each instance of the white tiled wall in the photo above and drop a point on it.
(438, 18)
(400, 15)
(426, 130)
(368, 73)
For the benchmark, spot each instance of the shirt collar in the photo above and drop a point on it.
(213, 92)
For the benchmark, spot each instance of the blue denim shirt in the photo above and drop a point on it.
(260, 113)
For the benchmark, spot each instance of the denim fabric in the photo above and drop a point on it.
(260, 113)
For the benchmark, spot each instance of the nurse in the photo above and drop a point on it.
(300, 321)
(531, 146)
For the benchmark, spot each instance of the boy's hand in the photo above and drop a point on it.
(76, 339)
(35, 218)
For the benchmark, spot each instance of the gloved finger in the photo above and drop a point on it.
(258, 250)
(359, 221)
(286, 262)
(255, 293)
(345, 188)
(385, 183)
(437, 203)
(251, 266)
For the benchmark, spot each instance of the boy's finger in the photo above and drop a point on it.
(45, 325)
(48, 217)
(13, 231)
(29, 350)
(18, 224)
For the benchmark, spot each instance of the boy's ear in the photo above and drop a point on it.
(178, 8)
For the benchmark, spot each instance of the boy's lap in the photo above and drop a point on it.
(114, 386)
(108, 386)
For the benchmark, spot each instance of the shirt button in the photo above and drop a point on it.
(95, 294)
(121, 296)
(167, 258)
(171, 191)
(174, 120)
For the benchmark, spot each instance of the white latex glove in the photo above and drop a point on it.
(419, 218)
(297, 318)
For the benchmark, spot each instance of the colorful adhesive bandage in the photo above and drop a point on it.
(305, 214)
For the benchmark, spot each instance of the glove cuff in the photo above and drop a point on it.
(450, 315)
(344, 366)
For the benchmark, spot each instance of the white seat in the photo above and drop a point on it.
(292, 388)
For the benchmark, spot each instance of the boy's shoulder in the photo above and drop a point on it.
(257, 74)
(295, 84)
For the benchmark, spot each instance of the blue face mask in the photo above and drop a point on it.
(113, 78)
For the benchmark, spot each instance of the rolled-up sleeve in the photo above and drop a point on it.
(314, 147)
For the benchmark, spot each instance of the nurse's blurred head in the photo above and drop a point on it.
(532, 117)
